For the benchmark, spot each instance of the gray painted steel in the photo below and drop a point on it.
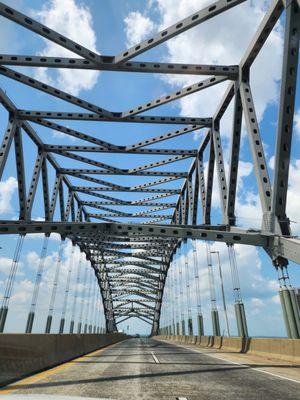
(159, 235)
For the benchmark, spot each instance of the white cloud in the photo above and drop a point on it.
(137, 27)
(23, 288)
(7, 190)
(5, 265)
(257, 302)
(293, 194)
(293, 209)
(297, 123)
(74, 21)
(61, 135)
(213, 42)
(257, 289)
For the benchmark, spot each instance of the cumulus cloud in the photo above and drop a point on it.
(258, 290)
(23, 288)
(212, 42)
(7, 190)
(75, 22)
(137, 27)
(293, 194)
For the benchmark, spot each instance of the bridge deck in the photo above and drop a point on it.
(149, 369)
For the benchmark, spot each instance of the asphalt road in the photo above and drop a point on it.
(149, 369)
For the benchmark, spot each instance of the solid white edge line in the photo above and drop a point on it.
(236, 363)
(155, 358)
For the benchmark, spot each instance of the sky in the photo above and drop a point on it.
(110, 27)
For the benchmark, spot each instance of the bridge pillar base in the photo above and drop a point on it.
(183, 327)
(62, 325)
(241, 319)
(72, 327)
(215, 323)
(29, 323)
(200, 325)
(3, 315)
(190, 327)
(290, 311)
(48, 324)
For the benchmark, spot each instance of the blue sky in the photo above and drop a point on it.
(109, 27)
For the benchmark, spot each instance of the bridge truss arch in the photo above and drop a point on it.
(131, 260)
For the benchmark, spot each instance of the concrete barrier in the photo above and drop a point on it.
(204, 341)
(217, 342)
(24, 354)
(233, 344)
(282, 349)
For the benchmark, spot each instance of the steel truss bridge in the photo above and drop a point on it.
(131, 260)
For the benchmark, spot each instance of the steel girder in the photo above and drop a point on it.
(137, 274)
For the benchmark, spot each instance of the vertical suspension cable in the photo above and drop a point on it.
(214, 309)
(96, 314)
(177, 316)
(173, 297)
(181, 293)
(82, 299)
(197, 285)
(74, 305)
(101, 316)
(67, 290)
(188, 291)
(197, 277)
(239, 305)
(211, 278)
(93, 306)
(234, 274)
(88, 303)
(54, 288)
(10, 282)
(37, 285)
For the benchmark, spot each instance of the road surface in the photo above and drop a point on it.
(148, 369)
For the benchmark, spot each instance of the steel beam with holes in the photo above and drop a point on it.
(230, 71)
(286, 116)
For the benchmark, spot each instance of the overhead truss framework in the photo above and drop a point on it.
(131, 259)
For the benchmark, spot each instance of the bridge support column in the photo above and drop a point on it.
(54, 288)
(62, 325)
(190, 327)
(200, 325)
(29, 323)
(290, 311)
(72, 327)
(238, 305)
(183, 327)
(48, 324)
(3, 315)
(241, 319)
(215, 323)
(177, 328)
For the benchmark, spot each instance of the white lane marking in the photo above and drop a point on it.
(155, 358)
(243, 365)
(181, 398)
